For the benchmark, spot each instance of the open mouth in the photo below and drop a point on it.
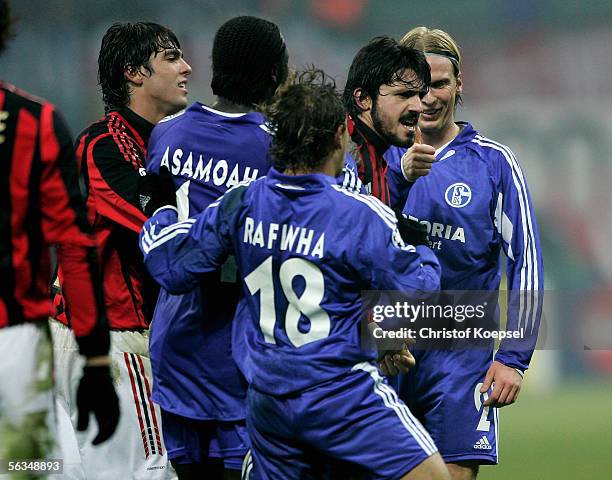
(410, 123)
(183, 85)
(430, 113)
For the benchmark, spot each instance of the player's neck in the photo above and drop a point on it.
(147, 110)
(330, 167)
(441, 137)
(225, 105)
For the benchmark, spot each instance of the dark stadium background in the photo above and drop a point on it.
(536, 77)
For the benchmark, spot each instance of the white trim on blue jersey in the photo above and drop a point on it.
(529, 281)
(384, 212)
(390, 399)
(224, 114)
(151, 239)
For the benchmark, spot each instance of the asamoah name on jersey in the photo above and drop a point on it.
(203, 170)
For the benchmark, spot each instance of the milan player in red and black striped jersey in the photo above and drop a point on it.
(40, 206)
(111, 155)
(143, 76)
(383, 92)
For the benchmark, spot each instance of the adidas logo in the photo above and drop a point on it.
(483, 444)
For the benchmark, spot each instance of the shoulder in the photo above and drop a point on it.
(109, 139)
(491, 151)
(171, 122)
(109, 123)
(362, 206)
(233, 200)
(22, 99)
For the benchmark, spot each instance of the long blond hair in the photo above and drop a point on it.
(437, 42)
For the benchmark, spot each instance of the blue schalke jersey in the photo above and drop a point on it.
(207, 152)
(475, 203)
(306, 248)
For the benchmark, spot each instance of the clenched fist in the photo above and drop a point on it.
(417, 161)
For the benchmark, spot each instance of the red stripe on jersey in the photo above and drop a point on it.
(3, 311)
(136, 135)
(59, 219)
(3, 314)
(375, 175)
(124, 302)
(79, 152)
(21, 168)
(128, 148)
(113, 128)
(129, 216)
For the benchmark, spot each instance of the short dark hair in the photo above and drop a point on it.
(305, 116)
(381, 62)
(5, 24)
(246, 52)
(128, 45)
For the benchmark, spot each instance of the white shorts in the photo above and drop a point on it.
(136, 450)
(27, 415)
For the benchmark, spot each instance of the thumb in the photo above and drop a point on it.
(488, 380)
(418, 137)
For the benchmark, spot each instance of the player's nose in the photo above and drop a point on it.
(428, 100)
(186, 70)
(415, 104)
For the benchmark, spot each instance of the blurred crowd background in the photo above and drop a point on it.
(537, 77)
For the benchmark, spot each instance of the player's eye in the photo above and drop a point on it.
(440, 84)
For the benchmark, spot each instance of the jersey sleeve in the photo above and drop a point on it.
(64, 223)
(177, 254)
(154, 157)
(115, 179)
(349, 177)
(516, 224)
(399, 187)
(386, 262)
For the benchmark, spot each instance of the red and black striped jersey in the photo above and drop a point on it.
(111, 155)
(371, 165)
(41, 205)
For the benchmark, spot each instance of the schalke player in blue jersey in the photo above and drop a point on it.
(475, 202)
(208, 150)
(314, 391)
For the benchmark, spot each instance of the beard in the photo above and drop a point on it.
(386, 133)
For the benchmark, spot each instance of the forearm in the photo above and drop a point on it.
(83, 294)
(166, 253)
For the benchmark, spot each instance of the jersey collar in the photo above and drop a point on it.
(299, 182)
(142, 126)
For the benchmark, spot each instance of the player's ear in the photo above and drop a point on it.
(341, 136)
(133, 75)
(459, 82)
(362, 99)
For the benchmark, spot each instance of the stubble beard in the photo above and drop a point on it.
(389, 137)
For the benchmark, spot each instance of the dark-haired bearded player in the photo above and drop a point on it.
(383, 92)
